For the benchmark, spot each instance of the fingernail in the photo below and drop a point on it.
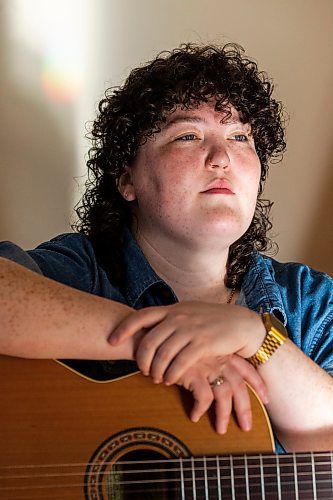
(246, 423)
(223, 429)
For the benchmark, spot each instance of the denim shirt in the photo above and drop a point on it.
(299, 296)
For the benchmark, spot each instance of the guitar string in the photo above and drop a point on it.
(237, 469)
(226, 495)
(284, 469)
(255, 477)
(198, 478)
(135, 471)
(109, 473)
(101, 483)
(198, 460)
(265, 457)
(175, 482)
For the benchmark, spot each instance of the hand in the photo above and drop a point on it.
(232, 394)
(182, 334)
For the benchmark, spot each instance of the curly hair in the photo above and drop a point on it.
(128, 115)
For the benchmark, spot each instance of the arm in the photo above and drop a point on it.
(301, 399)
(300, 392)
(40, 318)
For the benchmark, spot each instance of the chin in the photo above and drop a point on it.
(223, 238)
(230, 228)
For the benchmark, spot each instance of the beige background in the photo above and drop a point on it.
(96, 42)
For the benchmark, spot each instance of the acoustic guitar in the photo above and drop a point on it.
(65, 436)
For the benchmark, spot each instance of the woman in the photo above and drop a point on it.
(173, 218)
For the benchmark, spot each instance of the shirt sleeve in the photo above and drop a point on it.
(307, 298)
(68, 259)
(317, 318)
(9, 250)
(322, 348)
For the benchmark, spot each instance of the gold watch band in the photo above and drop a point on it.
(276, 335)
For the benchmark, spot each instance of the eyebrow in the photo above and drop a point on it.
(184, 119)
(195, 119)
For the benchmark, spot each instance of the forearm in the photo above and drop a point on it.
(300, 393)
(300, 399)
(40, 318)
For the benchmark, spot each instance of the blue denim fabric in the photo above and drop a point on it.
(299, 296)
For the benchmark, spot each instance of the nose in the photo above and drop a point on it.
(217, 157)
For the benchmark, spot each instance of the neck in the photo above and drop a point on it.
(193, 275)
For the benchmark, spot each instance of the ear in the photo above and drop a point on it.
(125, 186)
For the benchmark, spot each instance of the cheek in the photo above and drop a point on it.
(251, 170)
(154, 186)
(254, 178)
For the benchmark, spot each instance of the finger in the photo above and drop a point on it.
(203, 398)
(241, 398)
(223, 406)
(165, 355)
(251, 376)
(184, 360)
(134, 322)
(153, 354)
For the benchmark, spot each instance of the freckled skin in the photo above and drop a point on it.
(169, 175)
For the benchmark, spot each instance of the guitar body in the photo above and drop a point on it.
(51, 415)
(62, 435)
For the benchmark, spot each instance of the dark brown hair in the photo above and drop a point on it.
(128, 115)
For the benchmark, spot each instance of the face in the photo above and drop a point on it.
(197, 180)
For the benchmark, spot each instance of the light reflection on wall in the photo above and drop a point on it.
(55, 31)
(43, 60)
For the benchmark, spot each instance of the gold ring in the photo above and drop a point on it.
(218, 381)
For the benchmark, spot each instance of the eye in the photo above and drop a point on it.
(187, 137)
(240, 137)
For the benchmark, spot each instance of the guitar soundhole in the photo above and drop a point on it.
(136, 464)
(144, 475)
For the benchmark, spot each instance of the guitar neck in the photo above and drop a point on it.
(290, 476)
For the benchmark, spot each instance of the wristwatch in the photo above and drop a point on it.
(276, 335)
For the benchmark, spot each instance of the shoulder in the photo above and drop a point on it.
(285, 272)
(68, 258)
(307, 299)
(73, 246)
(302, 288)
(299, 278)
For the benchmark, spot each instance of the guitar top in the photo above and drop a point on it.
(64, 436)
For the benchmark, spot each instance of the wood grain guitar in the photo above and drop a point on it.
(64, 436)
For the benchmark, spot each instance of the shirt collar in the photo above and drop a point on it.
(261, 292)
(139, 275)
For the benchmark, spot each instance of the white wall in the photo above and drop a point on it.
(42, 134)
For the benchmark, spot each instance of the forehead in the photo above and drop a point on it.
(204, 113)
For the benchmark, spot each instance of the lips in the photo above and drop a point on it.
(219, 186)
